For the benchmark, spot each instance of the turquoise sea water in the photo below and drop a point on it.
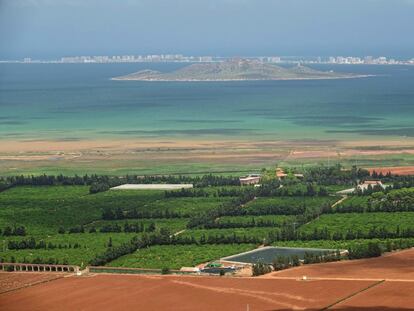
(78, 101)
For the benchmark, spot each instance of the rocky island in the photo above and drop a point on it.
(236, 70)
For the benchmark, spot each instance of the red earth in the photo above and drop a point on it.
(396, 265)
(133, 292)
(384, 283)
(12, 281)
(397, 170)
(387, 295)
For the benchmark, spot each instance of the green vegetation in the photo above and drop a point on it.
(90, 245)
(396, 200)
(175, 257)
(356, 225)
(64, 220)
(257, 221)
(287, 205)
(242, 69)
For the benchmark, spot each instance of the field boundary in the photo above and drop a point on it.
(353, 295)
(57, 277)
(122, 270)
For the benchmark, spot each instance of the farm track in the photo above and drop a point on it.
(179, 232)
(344, 197)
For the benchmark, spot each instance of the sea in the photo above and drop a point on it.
(80, 101)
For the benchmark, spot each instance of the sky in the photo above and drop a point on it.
(47, 29)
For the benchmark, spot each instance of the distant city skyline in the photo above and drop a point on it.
(353, 60)
(45, 29)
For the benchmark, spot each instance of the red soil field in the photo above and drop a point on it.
(347, 285)
(11, 281)
(398, 170)
(397, 265)
(386, 296)
(132, 292)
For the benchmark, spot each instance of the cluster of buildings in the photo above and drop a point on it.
(135, 58)
(367, 60)
(254, 179)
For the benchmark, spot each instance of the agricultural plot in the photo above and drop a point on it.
(89, 244)
(185, 207)
(355, 201)
(42, 210)
(256, 232)
(329, 244)
(287, 205)
(361, 222)
(177, 256)
(172, 224)
(276, 220)
(49, 213)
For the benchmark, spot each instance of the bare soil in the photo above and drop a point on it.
(384, 283)
(130, 292)
(391, 266)
(386, 296)
(12, 281)
(398, 170)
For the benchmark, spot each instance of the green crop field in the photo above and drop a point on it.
(287, 205)
(177, 256)
(361, 222)
(185, 206)
(172, 224)
(49, 213)
(90, 245)
(355, 201)
(256, 232)
(328, 244)
(44, 209)
(278, 220)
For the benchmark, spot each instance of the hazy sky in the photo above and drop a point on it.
(55, 28)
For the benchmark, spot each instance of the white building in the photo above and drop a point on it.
(252, 179)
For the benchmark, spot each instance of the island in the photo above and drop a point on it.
(237, 70)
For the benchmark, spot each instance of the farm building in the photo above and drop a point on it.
(252, 179)
(373, 183)
(280, 174)
(363, 187)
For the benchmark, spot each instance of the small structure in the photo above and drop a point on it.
(190, 269)
(363, 187)
(280, 174)
(252, 179)
(218, 268)
(373, 183)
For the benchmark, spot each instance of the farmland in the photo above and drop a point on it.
(287, 205)
(274, 220)
(49, 222)
(361, 222)
(161, 256)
